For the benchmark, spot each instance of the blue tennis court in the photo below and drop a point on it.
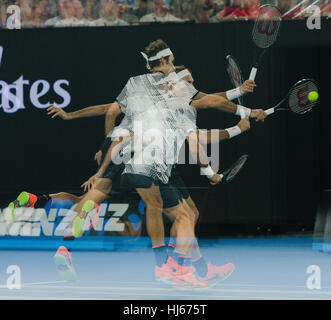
(266, 268)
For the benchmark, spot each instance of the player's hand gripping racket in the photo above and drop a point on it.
(297, 99)
(264, 34)
(235, 74)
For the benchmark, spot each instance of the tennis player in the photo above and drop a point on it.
(176, 181)
(132, 172)
(216, 102)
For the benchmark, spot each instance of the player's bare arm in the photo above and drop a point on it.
(111, 114)
(247, 87)
(204, 101)
(199, 153)
(218, 135)
(92, 111)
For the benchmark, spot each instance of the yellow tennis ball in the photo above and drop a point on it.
(312, 96)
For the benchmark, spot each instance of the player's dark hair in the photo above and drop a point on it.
(153, 48)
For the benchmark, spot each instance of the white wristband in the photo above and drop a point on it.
(233, 131)
(110, 133)
(246, 110)
(207, 171)
(233, 94)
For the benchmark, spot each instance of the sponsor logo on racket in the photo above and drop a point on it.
(236, 169)
(302, 96)
(263, 27)
(235, 75)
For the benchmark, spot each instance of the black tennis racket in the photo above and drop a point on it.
(229, 174)
(235, 74)
(296, 99)
(264, 34)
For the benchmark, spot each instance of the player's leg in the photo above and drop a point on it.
(66, 196)
(154, 220)
(183, 229)
(149, 192)
(184, 226)
(64, 265)
(178, 269)
(87, 210)
(177, 182)
(195, 251)
(207, 272)
(193, 207)
(25, 199)
(98, 193)
(88, 206)
(88, 203)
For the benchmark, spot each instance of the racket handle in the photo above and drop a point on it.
(253, 74)
(269, 111)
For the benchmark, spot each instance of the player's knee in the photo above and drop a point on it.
(196, 216)
(154, 203)
(103, 185)
(185, 217)
(195, 212)
(191, 209)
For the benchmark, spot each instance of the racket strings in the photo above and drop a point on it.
(266, 26)
(298, 97)
(236, 168)
(235, 74)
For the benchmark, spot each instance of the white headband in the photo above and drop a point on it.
(182, 74)
(159, 55)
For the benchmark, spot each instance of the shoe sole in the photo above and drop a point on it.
(88, 206)
(68, 275)
(164, 280)
(20, 201)
(77, 227)
(183, 287)
(10, 213)
(23, 198)
(187, 287)
(78, 222)
(227, 276)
